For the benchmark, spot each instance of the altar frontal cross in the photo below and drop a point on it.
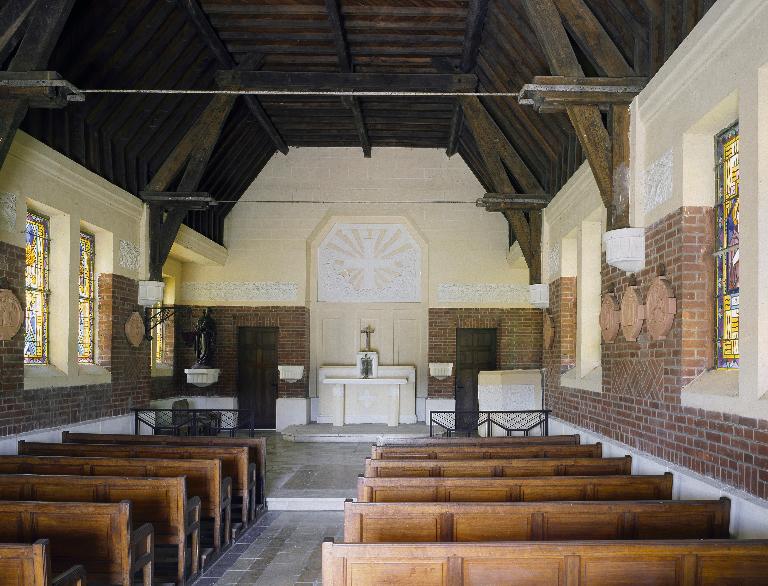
(367, 331)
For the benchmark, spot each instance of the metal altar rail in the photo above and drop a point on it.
(194, 421)
(470, 423)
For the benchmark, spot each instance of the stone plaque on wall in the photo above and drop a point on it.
(364, 263)
(610, 318)
(134, 329)
(549, 331)
(660, 307)
(11, 314)
(632, 314)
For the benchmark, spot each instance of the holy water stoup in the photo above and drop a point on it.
(367, 362)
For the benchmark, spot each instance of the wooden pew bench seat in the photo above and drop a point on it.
(162, 502)
(575, 563)
(542, 488)
(531, 440)
(473, 452)
(522, 467)
(535, 521)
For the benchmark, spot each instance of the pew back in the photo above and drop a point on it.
(96, 535)
(234, 459)
(543, 488)
(451, 452)
(159, 501)
(203, 476)
(498, 467)
(513, 440)
(552, 521)
(597, 563)
(257, 447)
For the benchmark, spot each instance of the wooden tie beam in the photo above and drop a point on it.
(549, 94)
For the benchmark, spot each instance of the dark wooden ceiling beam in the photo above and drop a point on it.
(225, 59)
(586, 119)
(557, 93)
(12, 17)
(345, 64)
(309, 81)
(42, 27)
(496, 152)
(496, 202)
(190, 157)
(478, 9)
(593, 39)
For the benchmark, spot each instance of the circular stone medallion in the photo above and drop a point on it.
(11, 314)
(610, 318)
(660, 307)
(632, 314)
(549, 331)
(134, 329)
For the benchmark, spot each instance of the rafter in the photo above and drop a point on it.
(225, 59)
(587, 120)
(478, 10)
(496, 152)
(345, 64)
(42, 25)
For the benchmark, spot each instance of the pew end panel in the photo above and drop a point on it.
(30, 565)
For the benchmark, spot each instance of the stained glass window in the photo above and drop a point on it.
(727, 247)
(160, 341)
(87, 294)
(36, 283)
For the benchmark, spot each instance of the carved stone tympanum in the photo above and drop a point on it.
(610, 318)
(660, 308)
(549, 331)
(632, 314)
(134, 329)
(11, 314)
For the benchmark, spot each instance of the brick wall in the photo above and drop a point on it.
(519, 339)
(293, 348)
(26, 410)
(640, 401)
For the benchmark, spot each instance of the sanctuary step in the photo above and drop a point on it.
(353, 433)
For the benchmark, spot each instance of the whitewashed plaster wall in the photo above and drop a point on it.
(717, 76)
(272, 248)
(267, 242)
(37, 177)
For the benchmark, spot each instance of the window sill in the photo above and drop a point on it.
(40, 376)
(592, 381)
(714, 383)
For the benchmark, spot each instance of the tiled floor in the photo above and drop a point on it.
(283, 548)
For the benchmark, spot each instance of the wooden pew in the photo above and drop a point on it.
(485, 452)
(543, 488)
(257, 451)
(23, 564)
(100, 536)
(552, 521)
(513, 440)
(490, 468)
(596, 563)
(204, 479)
(162, 502)
(234, 460)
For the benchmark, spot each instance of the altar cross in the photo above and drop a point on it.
(367, 331)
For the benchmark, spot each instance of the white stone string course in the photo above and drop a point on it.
(482, 293)
(239, 291)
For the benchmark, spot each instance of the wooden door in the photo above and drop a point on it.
(257, 373)
(475, 351)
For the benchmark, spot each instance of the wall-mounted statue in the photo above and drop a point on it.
(205, 340)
